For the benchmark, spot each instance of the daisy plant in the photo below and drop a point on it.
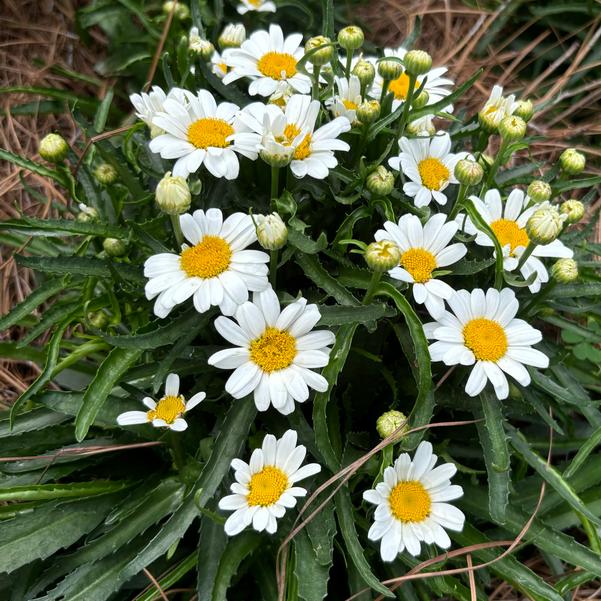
(378, 300)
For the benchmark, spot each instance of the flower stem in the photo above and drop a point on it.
(349, 60)
(406, 107)
(591, 533)
(459, 202)
(177, 230)
(385, 85)
(275, 179)
(273, 266)
(176, 447)
(495, 166)
(375, 280)
(316, 70)
(526, 254)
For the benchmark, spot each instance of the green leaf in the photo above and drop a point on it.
(566, 324)
(103, 112)
(34, 167)
(211, 544)
(327, 25)
(173, 576)
(585, 450)
(305, 244)
(465, 267)
(574, 184)
(554, 389)
(59, 227)
(496, 455)
(44, 492)
(117, 362)
(577, 290)
(312, 577)
(33, 420)
(338, 315)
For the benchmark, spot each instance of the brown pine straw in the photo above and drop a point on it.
(156, 584)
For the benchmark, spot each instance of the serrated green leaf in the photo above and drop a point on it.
(338, 315)
(60, 227)
(305, 244)
(581, 456)
(466, 267)
(212, 541)
(312, 576)
(45, 492)
(33, 420)
(314, 271)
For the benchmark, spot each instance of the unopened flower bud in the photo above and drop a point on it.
(545, 224)
(87, 214)
(488, 121)
(389, 422)
(98, 319)
(422, 126)
(199, 46)
(232, 36)
(417, 62)
(539, 191)
(350, 38)
(524, 109)
(565, 271)
(365, 72)
(420, 100)
(53, 148)
(512, 128)
(272, 232)
(383, 255)
(182, 12)
(573, 209)
(106, 174)
(572, 161)
(367, 112)
(114, 247)
(322, 56)
(380, 181)
(173, 194)
(468, 172)
(277, 158)
(390, 68)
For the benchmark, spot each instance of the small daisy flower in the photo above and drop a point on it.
(167, 412)
(345, 103)
(265, 487)
(276, 351)
(218, 65)
(149, 104)
(215, 269)
(497, 107)
(262, 6)
(202, 132)
(270, 61)
(482, 331)
(423, 250)
(508, 222)
(411, 504)
(430, 166)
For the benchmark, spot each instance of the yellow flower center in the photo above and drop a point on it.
(400, 86)
(169, 408)
(508, 232)
(223, 67)
(485, 338)
(210, 257)
(433, 173)
(290, 132)
(303, 150)
(277, 65)
(255, 3)
(349, 105)
(420, 263)
(267, 486)
(410, 502)
(274, 350)
(209, 132)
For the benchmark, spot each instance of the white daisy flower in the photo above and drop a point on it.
(218, 65)
(430, 166)
(149, 104)
(482, 330)
(262, 6)
(424, 249)
(508, 222)
(167, 412)
(275, 352)
(270, 61)
(437, 86)
(411, 504)
(265, 487)
(203, 132)
(345, 103)
(497, 107)
(215, 270)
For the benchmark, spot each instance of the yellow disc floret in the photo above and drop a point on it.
(274, 350)
(277, 65)
(266, 486)
(210, 257)
(349, 105)
(485, 338)
(508, 232)
(410, 502)
(303, 150)
(433, 172)
(420, 263)
(400, 86)
(169, 408)
(209, 131)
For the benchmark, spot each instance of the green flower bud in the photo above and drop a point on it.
(106, 174)
(380, 181)
(351, 38)
(232, 36)
(114, 247)
(512, 129)
(279, 157)
(367, 112)
(468, 172)
(417, 62)
(572, 161)
(173, 194)
(488, 121)
(199, 46)
(272, 232)
(98, 319)
(87, 214)
(565, 271)
(365, 72)
(539, 191)
(182, 12)
(391, 420)
(53, 148)
(573, 209)
(545, 224)
(319, 57)
(383, 255)
(525, 110)
(390, 68)
(421, 100)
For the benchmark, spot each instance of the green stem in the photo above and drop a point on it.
(385, 85)
(273, 266)
(349, 60)
(459, 202)
(177, 230)
(494, 167)
(275, 180)
(406, 107)
(526, 254)
(375, 280)
(316, 70)
(176, 446)
(591, 533)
